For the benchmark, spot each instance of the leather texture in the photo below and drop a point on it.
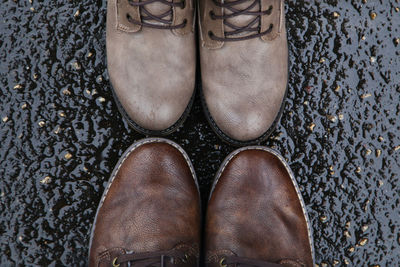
(255, 212)
(152, 204)
(244, 82)
(152, 70)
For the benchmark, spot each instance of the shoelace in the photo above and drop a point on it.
(245, 262)
(146, 15)
(253, 26)
(148, 259)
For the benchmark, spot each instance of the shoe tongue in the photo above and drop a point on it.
(156, 9)
(241, 20)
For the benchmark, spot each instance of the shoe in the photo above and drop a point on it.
(256, 216)
(150, 210)
(244, 67)
(151, 58)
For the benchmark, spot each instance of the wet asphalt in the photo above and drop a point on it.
(61, 133)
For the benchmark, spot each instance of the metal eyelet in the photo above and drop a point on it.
(114, 262)
(221, 263)
(212, 14)
(269, 10)
(185, 260)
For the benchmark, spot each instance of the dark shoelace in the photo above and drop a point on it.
(147, 259)
(146, 15)
(253, 26)
(245, 262)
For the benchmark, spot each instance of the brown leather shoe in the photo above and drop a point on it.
(151, 61)
(149, 214)
(256, 215)
(244, 67)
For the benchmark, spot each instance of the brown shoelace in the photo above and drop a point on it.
(253, 26)
(150, 259)
(147, 16)
(245, 262)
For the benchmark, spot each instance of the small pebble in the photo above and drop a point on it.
(57, 130)
(366, 96)
(76, 65)
(373, 15)
(366, 205)
(311, 126)
(68, 155)
(336, 14)
(41, 123)
(45, 180)
(347, 234)
(66, 92)
(5, 119)
(363, 241)
(332, 118)
(18, 86)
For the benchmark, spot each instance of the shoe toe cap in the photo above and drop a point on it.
(247, 118)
